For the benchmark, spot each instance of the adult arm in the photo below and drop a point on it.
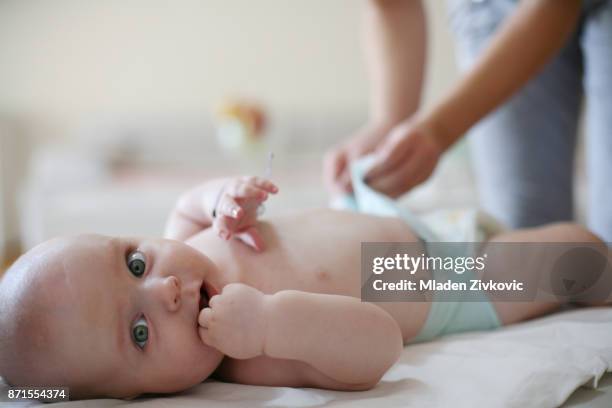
(394, 37)
(524, 44)
(518, 51)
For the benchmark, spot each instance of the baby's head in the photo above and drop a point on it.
(105, 317)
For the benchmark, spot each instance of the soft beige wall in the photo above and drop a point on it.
(441, 68)
(13, 154)
(64, 60)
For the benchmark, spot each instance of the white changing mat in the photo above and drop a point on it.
(534, 364)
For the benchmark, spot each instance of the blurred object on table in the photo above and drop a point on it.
(240, 125)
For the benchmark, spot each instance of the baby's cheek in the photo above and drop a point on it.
(188, 364)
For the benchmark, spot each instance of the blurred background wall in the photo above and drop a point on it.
(70, 67)
(65, 60)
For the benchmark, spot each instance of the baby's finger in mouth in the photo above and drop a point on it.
(204, 317)
(204, 336)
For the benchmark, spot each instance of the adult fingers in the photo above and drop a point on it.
(399, 145)
(402, 178)
(344, 184)
(333, 166)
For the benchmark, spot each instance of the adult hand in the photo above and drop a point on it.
(406, 158)
(337, 161)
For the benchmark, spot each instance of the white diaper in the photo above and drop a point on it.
(461, 225)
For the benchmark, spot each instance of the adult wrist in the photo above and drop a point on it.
(438, 128)
(384, 122)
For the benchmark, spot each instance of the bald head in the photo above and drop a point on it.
(29, 303)
(38, 302)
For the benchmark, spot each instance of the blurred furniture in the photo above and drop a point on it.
(13, 156)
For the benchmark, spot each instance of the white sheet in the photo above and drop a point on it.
(534, 364)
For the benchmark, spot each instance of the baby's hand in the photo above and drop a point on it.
(236, 209)
(235, 321)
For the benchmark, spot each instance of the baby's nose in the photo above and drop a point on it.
(169, 292)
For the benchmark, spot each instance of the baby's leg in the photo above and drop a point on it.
(512, 312)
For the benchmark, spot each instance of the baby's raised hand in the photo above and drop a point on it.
(235, 321)
(236, 207)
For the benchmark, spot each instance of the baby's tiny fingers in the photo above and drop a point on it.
(205, 317)
(229, 207)
(264, 184)
(246, 190)
(225, 226)
(205, 336)
(211, 303)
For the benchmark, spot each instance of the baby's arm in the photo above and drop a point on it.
(193, 210)
(349, 342)
(233, 201)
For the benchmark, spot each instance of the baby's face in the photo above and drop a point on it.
(129, 320)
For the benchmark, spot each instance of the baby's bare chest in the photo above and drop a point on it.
(318, 253)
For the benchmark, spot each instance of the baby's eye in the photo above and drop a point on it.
(140, 332)
(136, 263)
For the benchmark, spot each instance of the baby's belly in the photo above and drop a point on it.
(323, 253)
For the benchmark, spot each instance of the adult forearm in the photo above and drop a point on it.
(395, 45)
(345, 339)
(522, 46)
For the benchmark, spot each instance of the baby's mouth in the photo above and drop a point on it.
(203, 297)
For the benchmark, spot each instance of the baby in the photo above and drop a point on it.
(274, 302)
